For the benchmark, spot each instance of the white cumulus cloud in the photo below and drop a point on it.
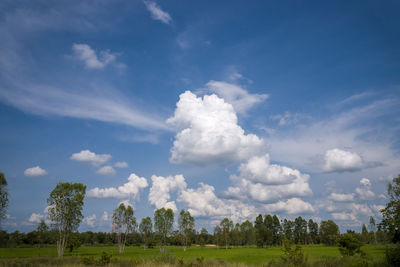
(209, 133)
(157, 13)
(337, 160)
(91, 157)
(131, 189)
(364, 191)
(259, 181)
(161, 189)
(106, 170)
(290, 206)
(35, 171)
(36, 218)
(105, 216)
(90, 220)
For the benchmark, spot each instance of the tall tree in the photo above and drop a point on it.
(313, 231)
(391, 213)
(248, 233)
(146, 229)
(3, 196)
(268, 235)
(287, 226)
(41, 234)
(276, 231)
(260, 230)
(328, 231)
(226, 228)
(300, 230)
(124, 222)
(163, 221)
(186, 226)
(65, 211)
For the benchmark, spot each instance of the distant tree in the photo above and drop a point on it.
(146, 229)
(41, 234)
(364, 234)
(73, 242)
(276, 231)
(313, 231)
(226, 228)
(65, 211)
(163, 222)
(186, 227)
(236, 235)
(3, 196)
(288, 229)
(124, 222)
(391, 213)
(203, 237)
(248, 233)
(218, 236)
(268, 234)
(300, 230)
(372, 225)
(260, 231)
(329, 232)
(348, 244)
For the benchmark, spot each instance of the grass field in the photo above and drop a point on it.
(252, 256)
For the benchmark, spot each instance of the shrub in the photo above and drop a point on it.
(348, 244)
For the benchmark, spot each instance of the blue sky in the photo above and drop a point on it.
(227, 109)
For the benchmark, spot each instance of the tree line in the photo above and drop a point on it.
(65, 213)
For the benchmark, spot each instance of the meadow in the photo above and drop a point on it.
(237, 255)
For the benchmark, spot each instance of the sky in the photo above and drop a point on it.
(223, 108)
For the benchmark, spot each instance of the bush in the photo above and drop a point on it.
(393, 255)
(348, 244)
(293, 256)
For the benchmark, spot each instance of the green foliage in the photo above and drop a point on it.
(65, 210)
(186, 226)
(226, 226)
(146, 229)
(123, 223)
(393, 255)
(3, 196)
(163, 221)
(104, 259)
(391, 213)
(293, 256)
(348, 244)
(329, 232)
(73, 242)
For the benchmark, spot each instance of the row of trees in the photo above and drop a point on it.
(65, 211)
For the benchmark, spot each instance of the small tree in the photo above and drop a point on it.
(329, 232)
(123, 223)
(146, 229)
(391, 213)
(65, 211)
(41, 234)
(348, 244)
(163, 221)
(186, 226)
(3, 196)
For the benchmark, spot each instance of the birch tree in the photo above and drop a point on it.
(186, 226)
(65, 211)
(123, 223)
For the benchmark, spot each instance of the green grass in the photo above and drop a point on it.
(252, 255)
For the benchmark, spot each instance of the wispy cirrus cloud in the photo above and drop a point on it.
(92, 60)
(157, 13)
